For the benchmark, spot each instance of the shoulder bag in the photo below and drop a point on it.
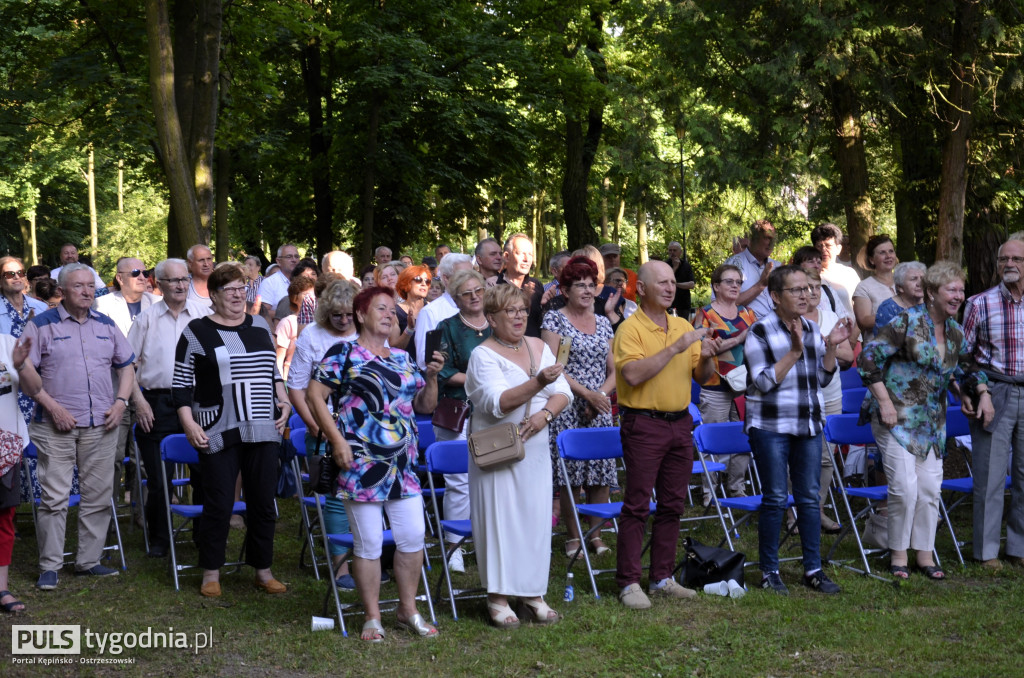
(500, 445)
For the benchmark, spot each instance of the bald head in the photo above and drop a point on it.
(656, 283)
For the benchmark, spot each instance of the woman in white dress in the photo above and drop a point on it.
(511, 505)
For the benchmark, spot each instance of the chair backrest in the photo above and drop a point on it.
(842, 429)
(850, 378)
(30, 451)
(295, 421)
(297, 439)
(177, 450)
(953, 400)
(722, 438)
(695, 414)
(694, 391)
(852, 399)
(590, 443)
(956, 423)
(448, 456)
(426, 431)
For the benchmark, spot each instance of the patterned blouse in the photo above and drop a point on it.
(905, 358)
(376, 419)
(725, 328)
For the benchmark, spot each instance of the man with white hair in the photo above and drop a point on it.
(518, 257)
(442, 307)
(341, 263)
(275, 286)
(200, 266)
(153, 337)
(382, 255)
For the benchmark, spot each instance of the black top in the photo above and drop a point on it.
(684, 273)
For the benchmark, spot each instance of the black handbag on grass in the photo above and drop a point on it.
(710, 564)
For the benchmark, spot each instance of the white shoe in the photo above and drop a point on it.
(455, 562)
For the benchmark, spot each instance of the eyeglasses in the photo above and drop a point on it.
(340, 316)
(1000, 260)
(174, 281)
(419, 280)
(134, 273)
(584, 286)
(239, 290)
(517, 312)
(11, 275)
(797, 291)
(476, 292)
(730, 281)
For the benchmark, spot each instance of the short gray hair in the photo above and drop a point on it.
(190, 255)
(287, 244)
(450, 261)
(68, 270)
(902, 270)
(160, 269)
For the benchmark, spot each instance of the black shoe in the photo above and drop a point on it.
(820, 582)
(772, 581)
(157, 551)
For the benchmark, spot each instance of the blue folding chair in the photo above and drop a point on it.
(31, 452)
(850, 378)
(842, 429)
(175, 449)
(308, 528)
(852, 399)
(449, 457)
(728, 438)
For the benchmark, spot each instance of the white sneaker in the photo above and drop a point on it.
(455, 562)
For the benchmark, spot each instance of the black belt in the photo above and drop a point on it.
(655, 414)
(1005, 378)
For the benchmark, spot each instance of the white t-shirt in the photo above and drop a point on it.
(827, 320)
(273, 288)
(843, 280)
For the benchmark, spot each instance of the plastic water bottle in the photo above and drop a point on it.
(570, 592)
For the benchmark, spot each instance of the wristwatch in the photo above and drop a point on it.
(548, 414)
(123, 400)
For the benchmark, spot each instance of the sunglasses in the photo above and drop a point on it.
(419, 280)
(134, 273)
(11, 275)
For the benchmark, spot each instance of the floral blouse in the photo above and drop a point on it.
(376, 419)
(905, 358)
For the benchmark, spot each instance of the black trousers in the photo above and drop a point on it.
(258, 463)
(158, 474)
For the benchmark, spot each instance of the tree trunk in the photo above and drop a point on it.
(851, 160)
(320, 165)
(27, 224)
(222, 234)
(641, 228)
(184, 225)
(90, 180)
(120, 186)
(581, 146)
(370, 175)
(962, 94)
(606, 185)
(621, 212)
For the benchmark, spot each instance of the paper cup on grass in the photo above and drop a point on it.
(323, 623)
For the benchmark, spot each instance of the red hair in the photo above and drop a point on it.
(405, 279)
(576, 269)
(362, 301)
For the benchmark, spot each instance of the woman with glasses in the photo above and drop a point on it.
(590, 373)
(509, 374)
(617, 278)
(460, 334)
(728, 321)
(377, 389)
(412, 287)
(233, 408)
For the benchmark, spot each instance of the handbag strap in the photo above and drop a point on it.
(533, 373)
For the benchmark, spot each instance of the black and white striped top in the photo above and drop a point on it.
(226, 375)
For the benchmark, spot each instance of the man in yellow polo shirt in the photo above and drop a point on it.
(656, 355)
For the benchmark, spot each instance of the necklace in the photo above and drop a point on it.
(479, 330)
(514, 347)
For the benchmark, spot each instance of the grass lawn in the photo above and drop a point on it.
(962, 627)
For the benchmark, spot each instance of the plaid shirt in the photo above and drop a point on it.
(796, 405)
(994, 332)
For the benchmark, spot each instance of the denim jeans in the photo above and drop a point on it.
(773, 454)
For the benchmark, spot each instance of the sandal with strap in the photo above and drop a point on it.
(418, 625)
(599, 547)
(372, 631)
(899, 571)
(13, 607)
(502, 616)
(932, 572)
(537, 612)
(572, 547)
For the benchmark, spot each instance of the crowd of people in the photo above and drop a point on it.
(225, 353)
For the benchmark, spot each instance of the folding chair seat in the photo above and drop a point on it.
(347, 541)
(309, 526)
(175, 449)
(449, 457)
(728, 438)
(31, 452)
